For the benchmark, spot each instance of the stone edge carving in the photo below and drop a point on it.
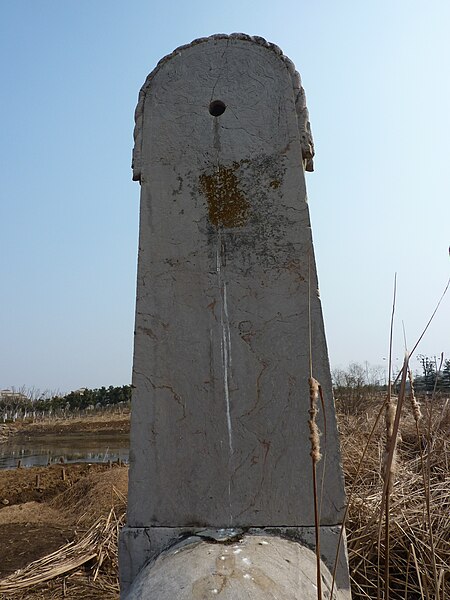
(304, 126)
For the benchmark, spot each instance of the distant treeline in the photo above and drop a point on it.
(357, 386)
(85, 399)
(435, 375)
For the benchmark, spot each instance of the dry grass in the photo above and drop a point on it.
(413, 552)
(93, 497)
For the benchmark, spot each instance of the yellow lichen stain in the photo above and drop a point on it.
(227, 206)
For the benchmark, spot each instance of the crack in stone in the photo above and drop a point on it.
(178, 399)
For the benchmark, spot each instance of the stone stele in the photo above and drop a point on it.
(228, 316)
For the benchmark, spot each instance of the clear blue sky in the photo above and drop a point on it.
(376, 75)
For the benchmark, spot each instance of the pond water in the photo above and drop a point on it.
(45, 449)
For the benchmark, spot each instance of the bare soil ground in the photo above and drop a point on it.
(36, 521)
(22, 543)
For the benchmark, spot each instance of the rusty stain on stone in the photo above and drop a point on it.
(227, 205)
(295, 267)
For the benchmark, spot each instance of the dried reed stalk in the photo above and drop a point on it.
(314, 438)
(410, 578)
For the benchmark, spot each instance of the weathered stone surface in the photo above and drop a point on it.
(254, 567)
(303, 124)
(140, 546)
(228, 311)
(221, 364)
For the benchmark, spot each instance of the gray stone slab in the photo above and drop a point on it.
(221, 363)
(228, 313)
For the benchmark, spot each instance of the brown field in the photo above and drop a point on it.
(103, 422)
(74, 512)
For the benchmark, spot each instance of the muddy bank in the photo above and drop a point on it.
(101, 423)
(42, 484)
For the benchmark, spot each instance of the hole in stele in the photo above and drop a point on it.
(217, 108)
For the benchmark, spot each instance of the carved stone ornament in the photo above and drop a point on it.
(304, 125)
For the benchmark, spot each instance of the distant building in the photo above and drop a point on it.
(12, 396)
